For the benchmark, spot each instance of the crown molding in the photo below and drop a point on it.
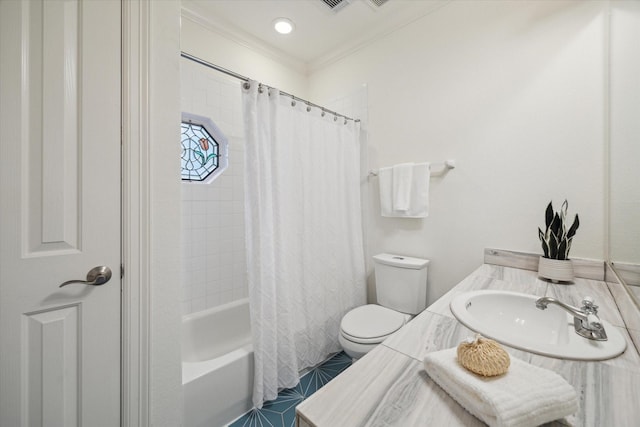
(368, 39)
(231, 32)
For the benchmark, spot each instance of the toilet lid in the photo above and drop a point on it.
(371, 323)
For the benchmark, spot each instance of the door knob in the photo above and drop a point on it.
(95, 277)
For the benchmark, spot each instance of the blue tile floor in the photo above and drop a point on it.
(282, 411)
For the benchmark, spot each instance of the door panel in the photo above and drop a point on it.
(60, 212)
(51, 144)
(52, 349)
(53, 78)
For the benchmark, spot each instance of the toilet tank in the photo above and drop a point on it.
(401, 282)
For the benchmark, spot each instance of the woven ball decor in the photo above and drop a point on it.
(483, 356)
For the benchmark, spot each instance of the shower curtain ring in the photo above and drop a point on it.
(335, 118)
(293, 102)
(308, 108)
(246, 86)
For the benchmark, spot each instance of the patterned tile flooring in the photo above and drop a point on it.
(282, 411)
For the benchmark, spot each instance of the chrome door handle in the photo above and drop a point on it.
(95, 277)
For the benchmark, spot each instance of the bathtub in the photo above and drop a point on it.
(217, 364)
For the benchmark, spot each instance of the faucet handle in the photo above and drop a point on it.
(588, 306)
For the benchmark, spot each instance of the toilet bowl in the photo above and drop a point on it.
(401, 287)
(365, 327)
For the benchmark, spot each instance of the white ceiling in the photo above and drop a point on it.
(321, 36)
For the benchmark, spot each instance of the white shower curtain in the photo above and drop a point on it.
(303, 234)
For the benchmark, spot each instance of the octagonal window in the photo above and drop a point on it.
(204, 149)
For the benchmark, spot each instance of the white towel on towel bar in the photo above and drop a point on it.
(418, 206)
(402, 183)
(385, 181)
(525, 396)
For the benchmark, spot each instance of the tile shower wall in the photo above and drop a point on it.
(213, 261)
(213, 266)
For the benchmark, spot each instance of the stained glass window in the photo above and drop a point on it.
(204, 149)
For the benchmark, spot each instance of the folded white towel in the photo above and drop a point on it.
(402, 184)
(526, 395)
(419, 192)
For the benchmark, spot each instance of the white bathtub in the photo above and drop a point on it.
(217, 365)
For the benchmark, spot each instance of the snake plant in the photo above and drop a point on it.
(556, 239)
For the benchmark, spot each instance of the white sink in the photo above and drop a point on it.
(513, 319)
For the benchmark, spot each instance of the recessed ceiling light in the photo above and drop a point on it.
(283, 25)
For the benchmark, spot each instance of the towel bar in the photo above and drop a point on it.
(447, 165)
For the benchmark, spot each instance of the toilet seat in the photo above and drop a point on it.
(371, 324)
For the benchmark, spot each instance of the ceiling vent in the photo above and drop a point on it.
(377, 3)
(337, 5)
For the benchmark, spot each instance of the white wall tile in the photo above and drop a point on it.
(198, 304)
(186, 307)
(212, 300)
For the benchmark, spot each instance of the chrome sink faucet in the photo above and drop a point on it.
(585, 319)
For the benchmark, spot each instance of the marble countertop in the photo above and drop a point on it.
(389, 387)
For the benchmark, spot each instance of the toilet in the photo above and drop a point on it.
(401, 287)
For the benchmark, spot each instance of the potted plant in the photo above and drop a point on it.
(556, 244)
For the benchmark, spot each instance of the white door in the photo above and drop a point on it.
(59, 212)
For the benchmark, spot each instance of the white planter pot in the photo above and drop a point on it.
(556, 270)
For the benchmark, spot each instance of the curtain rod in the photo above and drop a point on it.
(246, 80)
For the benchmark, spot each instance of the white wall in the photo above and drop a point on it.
(514, 91)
